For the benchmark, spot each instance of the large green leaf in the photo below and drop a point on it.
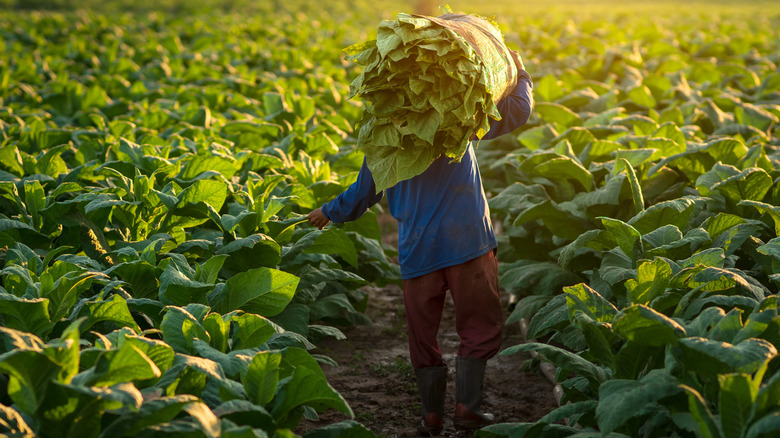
(765, 427)
(735, 400)
(646, 326)
(559, 221)
(30, 373)
(152, 412)
(77, 411)
(566, 168)
(177, 289)
(582, 298)
(251, 252)
(113, 310)
(29, 315)
(553, 315)
(127, 364)
(305, 387)
(713, 357)
(621, 400)
(246, 413)
(557, 113)
(708, 425)
(565, 360)
(179, 328)
(264, 291)
(625, 236)
(676, 212)
(652, 279)
(252, 331)
(262, 377)
(334, 241)
(749, 185)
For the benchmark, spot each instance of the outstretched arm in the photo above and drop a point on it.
(351, 204)
(516, 108)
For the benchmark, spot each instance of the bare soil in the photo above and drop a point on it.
(376, 377)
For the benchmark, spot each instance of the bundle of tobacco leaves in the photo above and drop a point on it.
(429, 84)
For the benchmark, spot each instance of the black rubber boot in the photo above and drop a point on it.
(432, 385)
(469, 375)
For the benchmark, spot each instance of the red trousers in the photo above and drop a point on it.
(479, 316)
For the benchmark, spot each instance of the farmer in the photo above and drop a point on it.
(445, 241)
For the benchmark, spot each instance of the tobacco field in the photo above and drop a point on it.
(159, 277)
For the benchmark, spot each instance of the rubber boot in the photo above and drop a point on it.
(469, 375)
(432, 385)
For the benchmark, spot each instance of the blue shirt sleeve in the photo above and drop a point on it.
(353, 202)
(515, 109)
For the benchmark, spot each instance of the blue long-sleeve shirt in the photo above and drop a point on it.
(443, 217)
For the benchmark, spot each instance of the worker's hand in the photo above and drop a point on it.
(318, 219)
(517, 59)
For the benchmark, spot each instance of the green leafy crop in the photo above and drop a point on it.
(429, 85)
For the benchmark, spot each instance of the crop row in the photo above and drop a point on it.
(158, 276)
(641, 228)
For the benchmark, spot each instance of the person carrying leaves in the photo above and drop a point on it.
(445, 242)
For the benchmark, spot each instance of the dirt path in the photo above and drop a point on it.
(377, 379)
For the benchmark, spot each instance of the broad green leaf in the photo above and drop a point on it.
(255, 251)
(246, 413)
(179, 328)
(156, 350)
(566, 168)
(641, 96)
(198, 164)
(560, 222)
(651, 281)
(621, 400)
(334, 241)
(29, 315)
(755, 116)
(177, 289)
(568, 410)
(565, 360)
(749, 185)
(625, 236)
(537, 137)
(553, 315)
(264, 291)
(735, 400)
(646, 326)
(218, 328)
(77, 411)
(30, 373)
(252, 331)
(11, 339)
(538, 278)
(708, 425)
(767, 426)
(721, 222)
(676, 212)
(556, 113)
(771, 210)
(262, 377)
(713, 357)
(305, 387)
(582, 298)
(113, 310)
(636, 189)
(127, 364)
